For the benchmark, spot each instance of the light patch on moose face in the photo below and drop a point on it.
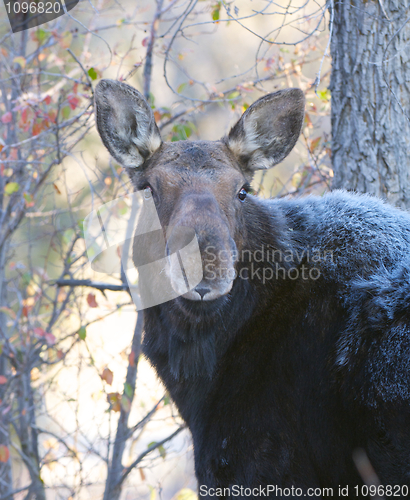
(185, 267)
(216, 293)
(185, 272)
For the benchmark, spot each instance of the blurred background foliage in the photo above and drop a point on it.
(75, 420)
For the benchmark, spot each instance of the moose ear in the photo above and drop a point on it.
(268, 130)
(125, 123)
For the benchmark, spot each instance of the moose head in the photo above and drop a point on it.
(199, 186)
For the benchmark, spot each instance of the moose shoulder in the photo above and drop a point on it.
(293, 350)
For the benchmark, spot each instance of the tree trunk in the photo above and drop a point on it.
(370, 86)
(6, 476)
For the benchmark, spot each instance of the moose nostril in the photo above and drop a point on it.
(202, 291)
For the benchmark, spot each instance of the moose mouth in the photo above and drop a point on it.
(201, 309)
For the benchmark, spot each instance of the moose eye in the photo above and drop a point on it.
(242, 194)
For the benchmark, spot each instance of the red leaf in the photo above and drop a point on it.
(40, 332)
(52, 115)
(4, 453)
(131, 358)
(91, 300)
(24, 115)
(73, 101)
(3, 380)
(37, 127)
(145, 41)
(7, 117)
(50, 339)
(47, 99)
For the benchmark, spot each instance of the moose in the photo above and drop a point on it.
(293, 350)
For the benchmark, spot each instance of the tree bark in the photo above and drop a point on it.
(6, 476)
(370, 87)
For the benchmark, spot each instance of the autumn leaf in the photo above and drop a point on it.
(73, 101)
(160, 448)
(52, 115)
(216, 12)
(56, 188)
(39, 36)
(3, 380)
(37, 128)
(126, 404)
(40, 332)
(7, 117)
(4, 453)
(162, 452)
(20, 60)
(11, 187)
(315, 143)
(28, 198)
(65, 112)
(128, 390)
(24, 115)
(50, 338)
(91, 300)
(114, 398)
(47, 99)
(82, 333)
(308, 121)
(92, 74)
(186, 494)
(145, 41)
(131, 358)
(107, 376)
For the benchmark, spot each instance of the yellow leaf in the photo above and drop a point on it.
(21, 61)
(296, 179)
(186, 494)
